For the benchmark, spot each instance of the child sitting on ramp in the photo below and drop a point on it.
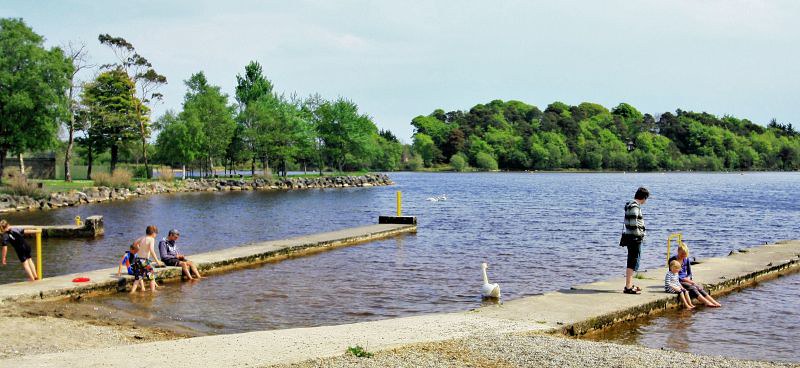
(673, 285)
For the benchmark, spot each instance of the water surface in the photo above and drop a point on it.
(538, 231)
(757, 323)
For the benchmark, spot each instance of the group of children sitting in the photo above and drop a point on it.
(678, 280)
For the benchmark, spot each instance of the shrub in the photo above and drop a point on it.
(121, 178)
(139, 172)
(165, 173)
(266, 175)
(359, 352)
(414, 163)
(485, 161)
(458, 162)
(17, 184)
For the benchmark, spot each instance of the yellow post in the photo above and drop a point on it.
(38, 233)
(399, 203)
(669, 240)
(39, 253)
(77, 221)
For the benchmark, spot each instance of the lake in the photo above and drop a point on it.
(538, 232)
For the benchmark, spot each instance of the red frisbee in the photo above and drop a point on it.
(80, 279)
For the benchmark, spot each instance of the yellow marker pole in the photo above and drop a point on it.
(38, 233)
(77, 221)
(399, 203)
(669, 239)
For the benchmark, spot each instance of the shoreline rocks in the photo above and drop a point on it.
(12, 203)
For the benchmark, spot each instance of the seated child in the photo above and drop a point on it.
(673, 285)
(138, 267)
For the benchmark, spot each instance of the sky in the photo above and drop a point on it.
(401, 59)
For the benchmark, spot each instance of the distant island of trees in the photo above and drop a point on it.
(514, 135)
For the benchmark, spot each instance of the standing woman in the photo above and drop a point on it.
(696, 290)
(632, 237)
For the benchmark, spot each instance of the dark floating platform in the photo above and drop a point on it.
(399, 220)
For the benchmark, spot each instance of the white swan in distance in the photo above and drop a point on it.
(489, 290)
(432, 199)
(442, 197)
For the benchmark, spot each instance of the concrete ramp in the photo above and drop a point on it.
(209, 263)
(575, 311)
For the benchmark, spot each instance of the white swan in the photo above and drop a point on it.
(489, 290)
(442, 197)
(433, 199)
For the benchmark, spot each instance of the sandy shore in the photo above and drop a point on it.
(529, 350)
(40, 328)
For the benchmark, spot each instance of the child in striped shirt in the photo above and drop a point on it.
(673, 285)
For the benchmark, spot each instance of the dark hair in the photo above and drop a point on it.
(642, 193)
(152, 229)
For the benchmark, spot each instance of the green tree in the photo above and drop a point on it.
(179, 142)
(251, 87)
(146, 84)
(424, 146)
(33, 84)
(485, 161)
(205, 105)
(346, 134)
(459, 162)
(77, 56)
(112, 107)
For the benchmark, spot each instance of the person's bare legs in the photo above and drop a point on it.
(705, 300)
(30, 269)
(135, 285)
(716, 303)
(194, 269)
(628, 278)
(152, 285)
(686, 302)
(185, 266)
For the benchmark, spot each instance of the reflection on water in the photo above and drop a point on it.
(757, 323)
(538, 232)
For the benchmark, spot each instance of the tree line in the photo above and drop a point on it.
(514, 135)
(270, 129)
(110, 114)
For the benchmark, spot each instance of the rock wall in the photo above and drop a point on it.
(10, 203)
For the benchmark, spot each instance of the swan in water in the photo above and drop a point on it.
(489, 290)
(442, 197)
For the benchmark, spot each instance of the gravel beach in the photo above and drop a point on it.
(41, 328)
(532, 350)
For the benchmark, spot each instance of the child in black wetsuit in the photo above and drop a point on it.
(15, 237)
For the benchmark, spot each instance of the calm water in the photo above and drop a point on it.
(757, 323)
(538, 232)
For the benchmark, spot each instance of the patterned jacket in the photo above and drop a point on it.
(634, 222)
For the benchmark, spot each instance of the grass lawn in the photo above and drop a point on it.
(62, 186)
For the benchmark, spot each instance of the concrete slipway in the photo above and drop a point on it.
(209, 263)
(576, 311)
